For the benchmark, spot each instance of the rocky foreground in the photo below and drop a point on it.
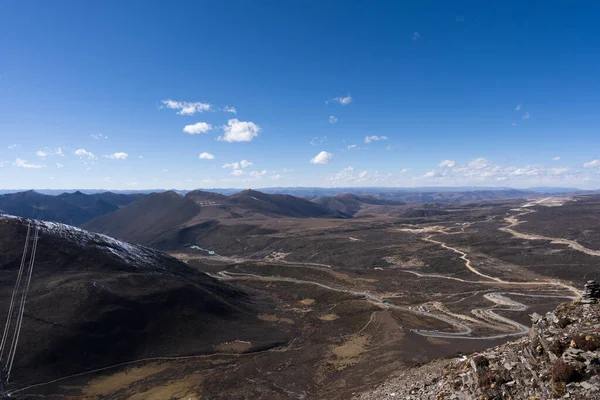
(560, 358)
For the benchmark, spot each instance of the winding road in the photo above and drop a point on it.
(487, 314)
(513, 221)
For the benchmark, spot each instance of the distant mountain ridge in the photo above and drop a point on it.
(349, 203)
(318, 191)
(169, 220)
(146, 219)
(71, 208)
(77, 208)
(281, 204)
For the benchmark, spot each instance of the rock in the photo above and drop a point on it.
(591, 292)
(524, 365)
(585, 385)
(573, 351)
(535, 318)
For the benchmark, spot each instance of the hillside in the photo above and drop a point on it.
(70, 208)
(95, 301)
(96, 201)
(202, 196)
(169, 221)
(146, 219)
(281, 205)
(350, 204)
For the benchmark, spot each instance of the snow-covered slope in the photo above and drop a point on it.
(136, 256)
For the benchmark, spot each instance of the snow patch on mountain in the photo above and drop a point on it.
(135, 255)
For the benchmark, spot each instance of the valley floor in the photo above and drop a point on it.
(361, 301)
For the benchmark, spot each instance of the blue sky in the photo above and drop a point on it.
(128, 95)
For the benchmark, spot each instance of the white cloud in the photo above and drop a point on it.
(230, 110)
(478, 163)
(238, 165)
(12, 146)
(447, 164)
(318, 140)
(556, 158)
(140, 157)
(514, 124)
(59, 165)
(83, 153)
(99, 136)
(275, 177)
(206, 156)
(518, 107)
(404, 170)
(237, 172)
(558, 170)
(348, 176)
(343, 100)
(416, 36)
(258, 173)
(117, 156)
(332, 119)
(197, 128)
(186, 107)
(234, 165)
(482, 171)
(352, 146)
(322, 158)
(592, 164)
(239, 131)
(369, 139)
(48, 152)
(526, 116)
(23, 164)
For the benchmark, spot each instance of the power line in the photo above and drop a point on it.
(22, 308)
(12, 299)
(18, 304)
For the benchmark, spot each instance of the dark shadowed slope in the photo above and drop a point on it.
(146, 219)
(350, 203)
(96, 301)
(31, 204)
(69, 208)
(202, 196)
(169, 221)
(280, 205)
(96, 201)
